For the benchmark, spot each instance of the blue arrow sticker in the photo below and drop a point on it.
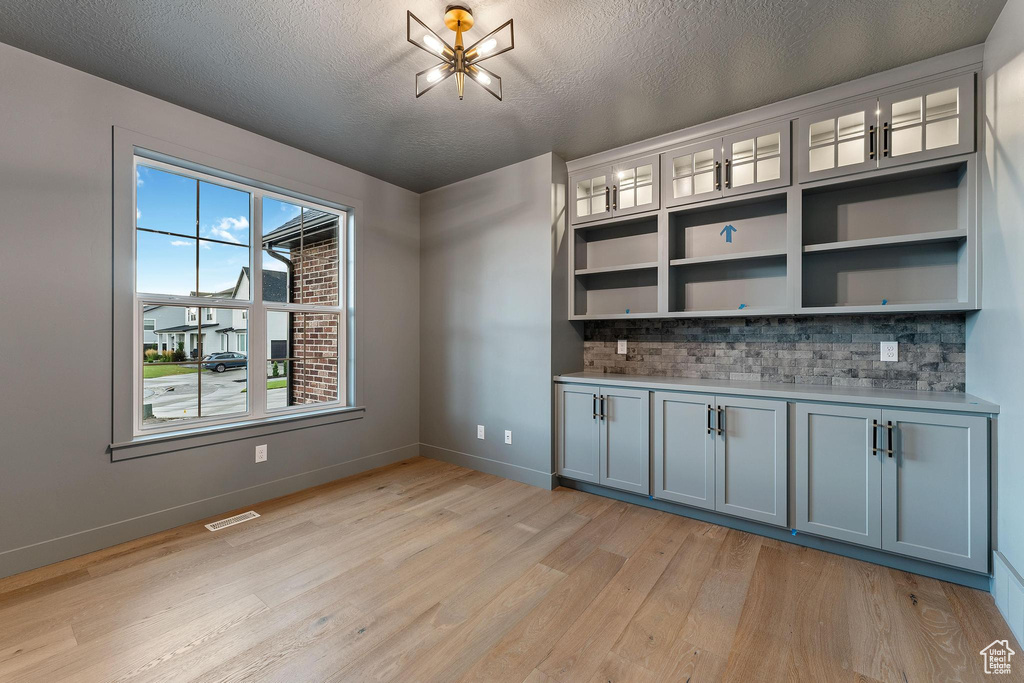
(728, 231)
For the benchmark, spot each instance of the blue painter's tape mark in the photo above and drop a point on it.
(728, 231)
(742, 306)
(627, 310)
(792, 532)
(885, 301)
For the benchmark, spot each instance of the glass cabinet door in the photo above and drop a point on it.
(635, 186)
(838, 141)
(927, 121)
(756, 160)
(592, 195)
(692, 173)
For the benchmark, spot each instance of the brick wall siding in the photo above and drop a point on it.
(314, 379)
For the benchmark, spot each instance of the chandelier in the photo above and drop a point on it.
(459, 61)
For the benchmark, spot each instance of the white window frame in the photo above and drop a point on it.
(254, 307)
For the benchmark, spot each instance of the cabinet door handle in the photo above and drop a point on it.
(871, 140)
(709, 418)
(594, 406)
(602, 413)
(728, 176)
(615, 197)
(607, 198)
(874, 437)
(888, 426)
(885, 139)
(720, 414)
(718, 186)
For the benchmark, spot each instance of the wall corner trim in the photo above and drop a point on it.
(1008, 591)
(544, 480)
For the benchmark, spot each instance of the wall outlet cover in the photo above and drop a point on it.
(890, 351)
(621, 350)
(479, 431)
(508, 436)
(261, 453)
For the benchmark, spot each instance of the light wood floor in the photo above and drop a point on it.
(424, 571)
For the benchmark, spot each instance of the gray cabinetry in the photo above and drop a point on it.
(909, 482)
(591, 194)
(838, 141)
(603, 436)
(625, 439)
(839, 473)
(625, 188)
(684, 448)
(756, 159)
(692, 173)
(751, 452)
(934, 487)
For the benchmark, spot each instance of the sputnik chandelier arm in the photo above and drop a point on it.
(457, 60)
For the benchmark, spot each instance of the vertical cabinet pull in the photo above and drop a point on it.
(728, 177)
(709, 418)
(594, 405)
(615, 197)
(602, 414)
(607, 198)
(874, 437)
(718, 186)
(720, 414)
(885, 139)
(888, 451)
(871, 141)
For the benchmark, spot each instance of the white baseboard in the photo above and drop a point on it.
(54, 550)
(544, 480)
(1008, 590)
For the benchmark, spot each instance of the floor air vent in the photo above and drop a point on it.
(231, 521)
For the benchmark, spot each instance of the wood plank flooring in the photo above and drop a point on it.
(424, 571)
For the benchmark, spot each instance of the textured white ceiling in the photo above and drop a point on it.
(335, 77)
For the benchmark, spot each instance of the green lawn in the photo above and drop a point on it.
(274, 384)
(152, 371)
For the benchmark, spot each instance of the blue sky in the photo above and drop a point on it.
(167, 263)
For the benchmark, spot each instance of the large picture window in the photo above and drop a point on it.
(212, 258)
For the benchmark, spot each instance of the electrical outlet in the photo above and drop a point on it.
(479, 431)
(890, 352)
(622, 348)
(508, 436)
(261, 453)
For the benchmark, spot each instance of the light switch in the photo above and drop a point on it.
(508, 436)
(479, 431)
(622, 347)
(890, 352)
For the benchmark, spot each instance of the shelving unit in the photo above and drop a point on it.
(615, 268)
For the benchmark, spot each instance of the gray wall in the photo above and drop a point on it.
(60, 494)
(837, 350)
(492, 333)
(997, 330)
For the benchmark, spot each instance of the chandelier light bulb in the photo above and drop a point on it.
(483, 78)
(434, 76)
(487, 46)
(433, 43)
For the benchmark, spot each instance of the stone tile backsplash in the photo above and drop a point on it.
(836, 350)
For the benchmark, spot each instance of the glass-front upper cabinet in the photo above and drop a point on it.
(757, 159)
(838, 141)
(927, 121)
(692, 173)
(592, 195)
(635, 186)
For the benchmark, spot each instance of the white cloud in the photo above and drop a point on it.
(180, 243)
(138, 214)
(223, 229)
(138, 178)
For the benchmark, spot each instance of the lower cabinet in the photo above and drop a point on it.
(722, 453)
(604, 436)
(909, 482)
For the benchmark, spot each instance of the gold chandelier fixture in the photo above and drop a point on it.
(459, 61)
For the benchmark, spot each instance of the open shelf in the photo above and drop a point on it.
(894, 240)
(728, 285)
(745, 229)
(625, 245)
(617, 269)
(616, 292)
(740, 256)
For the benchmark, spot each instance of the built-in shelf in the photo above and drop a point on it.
(719, 258)
(913, 238)
(618, 269)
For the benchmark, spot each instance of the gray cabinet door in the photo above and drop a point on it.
(838, 141)
(757, 159)
(750, 459)
(927, 121)
(934, 485)
(626, 439)
(684, 448)
(636, 186)
(578, 438)
(839, 473)
(692, 173)
(591, 195)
